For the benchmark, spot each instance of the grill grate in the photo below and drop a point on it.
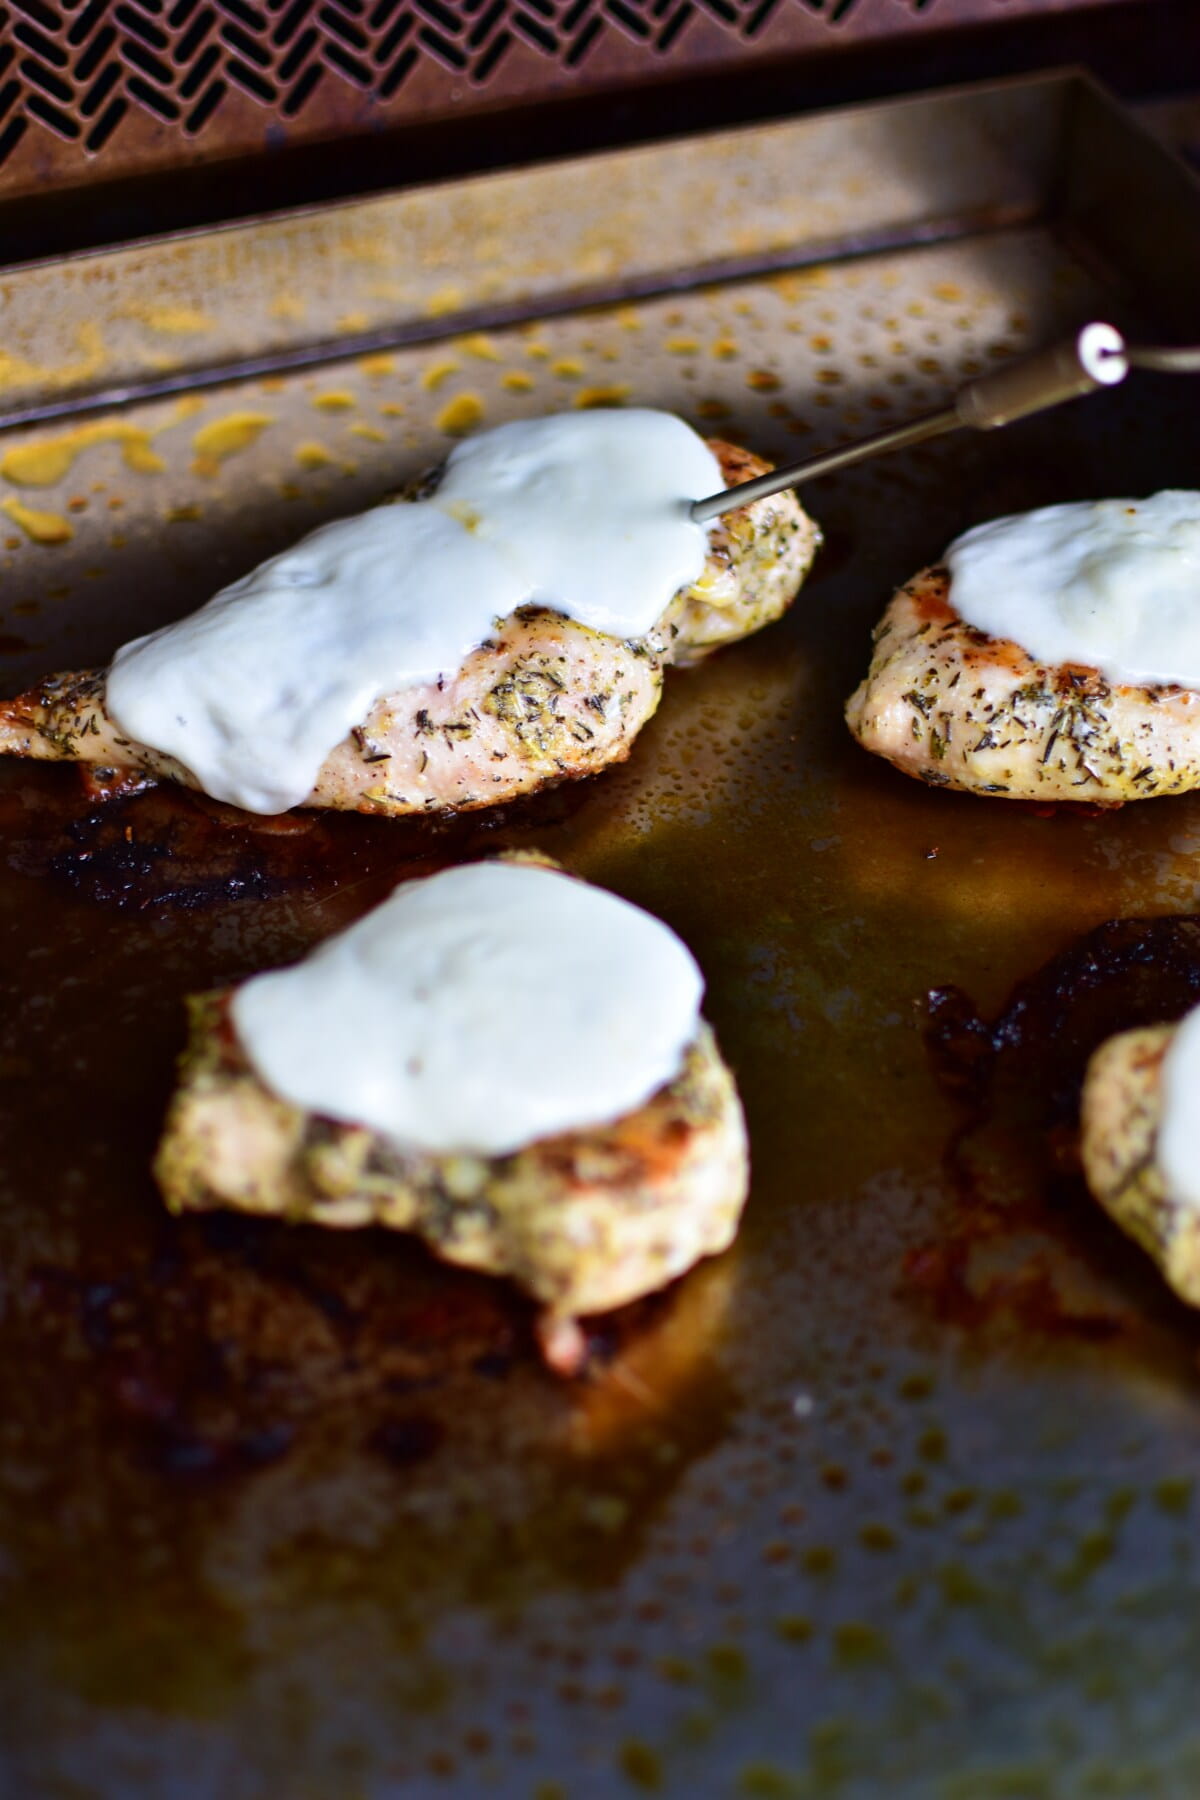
(90, 89)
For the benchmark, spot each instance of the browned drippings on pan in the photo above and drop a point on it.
(895, 1497)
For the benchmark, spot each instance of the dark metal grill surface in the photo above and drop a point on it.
(900, 1499)
(89, 89)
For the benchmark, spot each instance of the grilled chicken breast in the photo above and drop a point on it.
(545, 700)
(1121, 1115)
(583, 1222)
(956, 708)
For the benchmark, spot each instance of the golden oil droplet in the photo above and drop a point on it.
(312, 455)
(460, 415)
(222, 438)
(439, 372)
(614, 395)
(42, 527)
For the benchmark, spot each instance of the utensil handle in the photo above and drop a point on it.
(1094, 358)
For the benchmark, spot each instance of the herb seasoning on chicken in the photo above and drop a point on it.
(400, 1076)
(504, 627)
(1055, 657)
(1140, 1143)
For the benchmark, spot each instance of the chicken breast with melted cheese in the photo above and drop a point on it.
(545, 699)
(1122, 1119)
(432, 1018)
(946, 703)
(583, 1222)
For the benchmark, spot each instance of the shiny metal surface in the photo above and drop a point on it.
(896, 1499)
(1178, 359)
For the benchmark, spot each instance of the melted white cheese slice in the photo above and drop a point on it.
(1111, 584)
(477, 1011)
(587, 515)
(1178, 1147)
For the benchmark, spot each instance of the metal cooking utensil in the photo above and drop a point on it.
(1096, 357)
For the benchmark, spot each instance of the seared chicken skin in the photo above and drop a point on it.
(1122, 1113)
(584, 1221)
(956, 708)
(544, 700)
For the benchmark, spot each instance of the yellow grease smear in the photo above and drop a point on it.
(614, 395)
(466, 515)
(763, 380)
(628, 318)
(142, 458)
(93, 359)
(186, 407)
(314, 456)
(180, 515)
(369, 250)
(336, 400)
(353, 321)
(42, 527)
(460, 415)
(45, 461)
(479, 344)
(286, 306)
(682, 346)
(517, 382)
(792, 287)
(173, 321)
(724, 348)
(381, 364)
(445, 300)
(372, 433)
(393, 409)
(226, 437)
(387, 290)
(568, 368)
(438, 372)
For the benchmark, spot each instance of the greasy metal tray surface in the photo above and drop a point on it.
(895, 1498)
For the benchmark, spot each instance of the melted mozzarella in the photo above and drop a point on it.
(1178, 1147)
(588, 515)
(477, 1011)
(1111, 584)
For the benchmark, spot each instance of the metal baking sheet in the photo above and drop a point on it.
(895, 1498)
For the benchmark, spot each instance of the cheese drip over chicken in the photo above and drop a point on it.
(478, 1011)
(587, 515)
(1110, 584)
(1178, 1148)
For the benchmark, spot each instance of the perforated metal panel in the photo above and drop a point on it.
(91, 89)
